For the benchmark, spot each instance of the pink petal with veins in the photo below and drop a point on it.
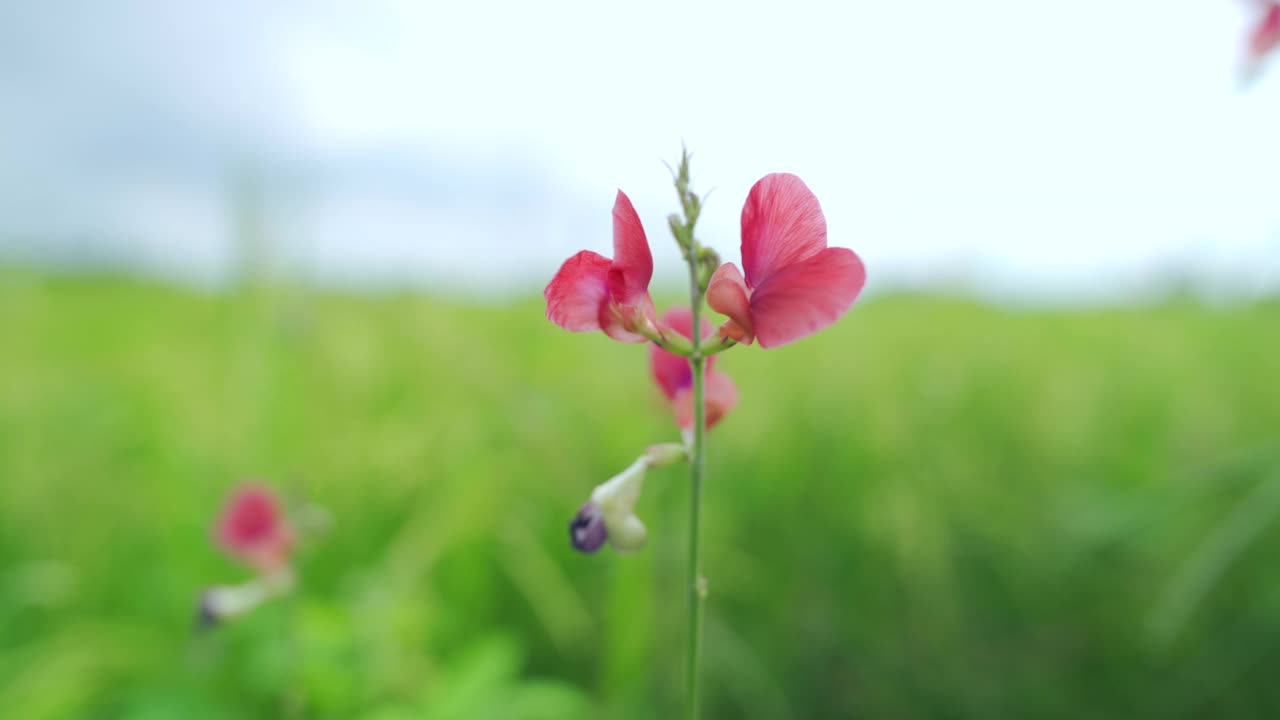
(578, 291)
(631, 256)
(804, 298)
(593, 292)
(782, 224)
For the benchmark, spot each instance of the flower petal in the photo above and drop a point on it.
(577, 293)
(721, 396)
(618, 320)
(782, 224)
(631, 254)
(1265, 36)
(680, 319)
(807, 296)
(252, 528)
(672, 372)
(727, 295)
(587, 531)
(719, 393)
(250, 517)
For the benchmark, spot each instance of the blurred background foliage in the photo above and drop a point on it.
(937, 508)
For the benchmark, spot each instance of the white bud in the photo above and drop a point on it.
(616, 499)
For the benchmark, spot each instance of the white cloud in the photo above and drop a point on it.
(1032, 143)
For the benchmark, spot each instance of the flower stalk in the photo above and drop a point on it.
(696, 259)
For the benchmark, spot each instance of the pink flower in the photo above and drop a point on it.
(795, 285)
(592, 292)
(1265, 35)
(675, 376)
(252, 529)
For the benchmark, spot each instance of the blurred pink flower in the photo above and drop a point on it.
(1264, 36)
(593, 292)
(674, 376)
(252, 528)
(794, 284)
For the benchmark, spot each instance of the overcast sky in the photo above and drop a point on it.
(1039, 146)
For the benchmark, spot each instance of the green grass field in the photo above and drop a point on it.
(935, 509)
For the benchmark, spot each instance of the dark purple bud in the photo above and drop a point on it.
(206, 616)
(587, 531)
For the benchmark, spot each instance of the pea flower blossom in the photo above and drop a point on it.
(592, 292)
(610, 513)
(252, 529)
(791, 284)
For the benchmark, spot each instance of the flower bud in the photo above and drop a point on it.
(587, 531)
(708, 256)
(610, 514)
(676, 224)
(693, 208)
(207, 615)
(708, 262)
(225, 602)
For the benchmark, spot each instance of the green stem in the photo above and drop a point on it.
(716, 344)
(672, 342)
(697, 584)
(695, 256)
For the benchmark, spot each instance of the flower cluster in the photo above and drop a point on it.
(791, 285)
(253, 530)
(794, 285)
